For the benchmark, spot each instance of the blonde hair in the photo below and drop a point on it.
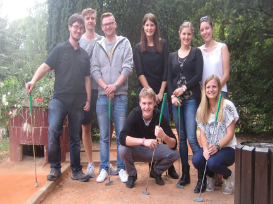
(87, 11)
(107, 14)
(186, 24)
(203, 111)
(147, 92)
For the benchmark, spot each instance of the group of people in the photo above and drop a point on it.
(99, 66)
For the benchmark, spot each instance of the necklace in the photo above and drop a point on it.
(212, 111)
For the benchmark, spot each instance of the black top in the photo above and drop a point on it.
(71, 67)
(135, 126)
(191, 71)
(153, 65)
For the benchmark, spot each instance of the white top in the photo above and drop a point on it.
(213, 64)
(216, 132)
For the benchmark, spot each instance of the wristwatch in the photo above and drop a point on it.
(218, 146)
(183, 88)
(172, 96)
(116, 84)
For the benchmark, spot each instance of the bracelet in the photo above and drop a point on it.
(88, 101)
(183, 88)
(218, 146)
(143, 140)
(172, 96)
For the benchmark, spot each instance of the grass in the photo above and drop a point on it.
(4, 148)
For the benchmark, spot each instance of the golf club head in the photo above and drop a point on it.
(109, 183)
(179, 186)
(198, 199)
(145, 192)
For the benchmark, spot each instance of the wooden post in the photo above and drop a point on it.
(238, 166)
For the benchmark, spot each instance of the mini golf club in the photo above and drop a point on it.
(178, 185)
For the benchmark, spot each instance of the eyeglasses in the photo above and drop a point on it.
(78, 28)
(108, 24)
(204, 18)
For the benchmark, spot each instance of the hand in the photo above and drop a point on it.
(176, 102)
(151, 143)
(159, 133)
(29, 86)
(178, 92)
(110, 88)
(87, 106)
(206, 154)
(111, 95)
(212, 149)
(159, 97)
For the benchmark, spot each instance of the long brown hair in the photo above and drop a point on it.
(203, 111)
(156, 37)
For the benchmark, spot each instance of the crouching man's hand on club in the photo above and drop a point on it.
(159, 133)
(150, 143)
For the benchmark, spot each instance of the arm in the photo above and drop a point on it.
(41, 71)
(159, 133)
(171, 75)
(205, 144)
(88, 91)
(143, 81)
(225, 58)
(132, 141)
(112, 88)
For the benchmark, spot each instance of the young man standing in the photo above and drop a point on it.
(72, 92)
(87, 42)
(111, 65)
(138, 139)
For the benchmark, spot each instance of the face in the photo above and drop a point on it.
(149, 28)
(90, 21)
(212, 89)
(147, 105)
(206, 31)
(108, 25)
(186, 36)
(76, 31)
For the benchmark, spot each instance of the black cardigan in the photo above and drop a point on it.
(192, 70)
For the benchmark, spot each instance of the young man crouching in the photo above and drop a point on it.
(139, 138)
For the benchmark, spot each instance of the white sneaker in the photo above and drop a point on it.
(113, 171)
(102, 176)
(228, 186)
(123, 176)
(91, 170)
(210, 183)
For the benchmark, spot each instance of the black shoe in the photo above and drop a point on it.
(54, 174)
(131, 181)
(185, 179)
(199, 183)
(172, 173)
(158, 179)
(80, 176)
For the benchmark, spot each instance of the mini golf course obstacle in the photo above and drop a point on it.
(20, 133)
(253, 173)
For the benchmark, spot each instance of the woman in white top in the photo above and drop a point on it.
(217, 137)
(215, 54)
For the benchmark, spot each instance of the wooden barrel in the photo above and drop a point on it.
(253, 173)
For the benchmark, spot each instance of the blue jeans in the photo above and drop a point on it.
(166, 106)
(118, 114)
(187, 128)
(217, 163)
(57, 112)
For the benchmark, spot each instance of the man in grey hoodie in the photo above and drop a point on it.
(111, 65)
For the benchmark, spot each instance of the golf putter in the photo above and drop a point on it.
(178, 185)
(109, 120)
(218, 106)
(30, 110)
(146, 192)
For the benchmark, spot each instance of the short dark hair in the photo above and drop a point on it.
(205, 19)
(75, 18)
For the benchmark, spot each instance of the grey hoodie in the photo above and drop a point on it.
(121, 63)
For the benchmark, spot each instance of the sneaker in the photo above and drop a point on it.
(54, 174)
(80, 176)
(91, 170)
(123, 176)
(210, 183)
(113, 171)
(131, 181)
(158, 179)
(228, 186)
(102, 176)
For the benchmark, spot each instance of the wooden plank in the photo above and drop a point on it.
(247, 176)
(271, 177)
(261, 193)
(238, 172)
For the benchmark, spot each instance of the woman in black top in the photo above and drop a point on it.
(151, 63)
(184, 75)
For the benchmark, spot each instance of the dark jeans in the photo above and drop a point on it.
(57, 112)
(217, 163)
